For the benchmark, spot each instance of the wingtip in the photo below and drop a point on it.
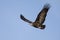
(47, 5)
(21, 15)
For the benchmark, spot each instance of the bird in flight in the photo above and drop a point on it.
(38, 23)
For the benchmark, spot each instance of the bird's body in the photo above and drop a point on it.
(38, 23)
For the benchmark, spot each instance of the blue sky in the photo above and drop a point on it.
(13, 28)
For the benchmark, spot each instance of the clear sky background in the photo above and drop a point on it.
(13, 28)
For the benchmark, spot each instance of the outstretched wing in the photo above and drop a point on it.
(24, 19)
(42, 15)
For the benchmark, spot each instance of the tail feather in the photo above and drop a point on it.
(42, 27)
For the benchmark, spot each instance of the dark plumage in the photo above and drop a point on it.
(38, 23)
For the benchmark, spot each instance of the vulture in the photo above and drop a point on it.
(38, 23)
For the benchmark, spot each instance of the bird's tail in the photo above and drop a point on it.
(43, 27)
